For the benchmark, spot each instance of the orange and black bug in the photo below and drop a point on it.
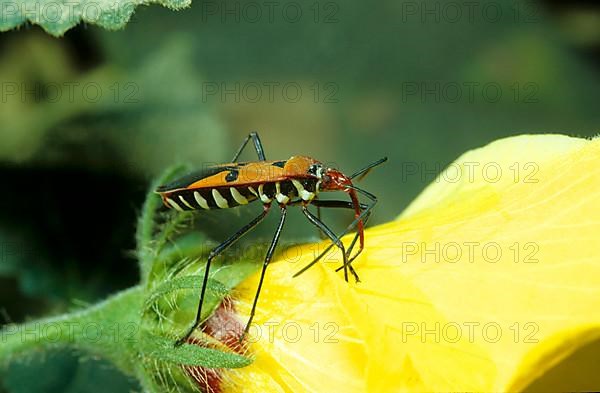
(295, 181)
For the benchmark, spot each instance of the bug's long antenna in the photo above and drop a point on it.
(364, 171)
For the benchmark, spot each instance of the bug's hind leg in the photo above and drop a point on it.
(266, 262)
(213, 254)
(257, 146)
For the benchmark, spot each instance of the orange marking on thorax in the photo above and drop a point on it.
(297, 166)
(258, 172)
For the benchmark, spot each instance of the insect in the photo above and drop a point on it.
(293, 182)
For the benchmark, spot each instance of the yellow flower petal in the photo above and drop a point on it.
(489, 281)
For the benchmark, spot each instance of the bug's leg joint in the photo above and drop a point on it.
(257, 146)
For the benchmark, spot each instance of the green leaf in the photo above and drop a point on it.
(188, 282)
(58, 16)
(109, 329)
(175, 251)
(147, 222)
(190, 355)
(171, 303)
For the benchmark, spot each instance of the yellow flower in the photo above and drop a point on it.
(489, 281)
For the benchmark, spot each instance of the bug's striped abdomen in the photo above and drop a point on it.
(285, 191)
(209, 198)
(281, 192)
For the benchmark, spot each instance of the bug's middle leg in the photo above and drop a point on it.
(213, 254)
(315, 202)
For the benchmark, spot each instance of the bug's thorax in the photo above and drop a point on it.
(299, 177)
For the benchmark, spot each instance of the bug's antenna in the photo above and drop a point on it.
(364, 171)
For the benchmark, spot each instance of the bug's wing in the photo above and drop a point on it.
(190, 178)
(228, 175)
(242, 174)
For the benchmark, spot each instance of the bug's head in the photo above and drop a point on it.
(329, 179)
(333, 180)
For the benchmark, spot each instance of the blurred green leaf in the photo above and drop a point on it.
(61, 371)
(56, 17)
(135, 120)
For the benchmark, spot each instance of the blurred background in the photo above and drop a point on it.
(87, 120)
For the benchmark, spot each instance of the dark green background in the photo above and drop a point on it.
(75, 169)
